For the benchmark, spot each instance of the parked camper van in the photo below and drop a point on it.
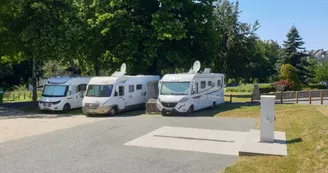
(63, 93)
(187, 92)
(119, 92)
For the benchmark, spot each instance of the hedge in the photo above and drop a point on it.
(316, 86)
(264, 88)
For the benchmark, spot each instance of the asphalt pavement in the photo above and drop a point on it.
(99, 147)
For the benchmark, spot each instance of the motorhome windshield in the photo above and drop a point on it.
(54, 90)
(99, 90)
(175, 88)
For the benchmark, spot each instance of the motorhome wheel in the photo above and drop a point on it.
(213, 105)
(67, 107)
(113, 111)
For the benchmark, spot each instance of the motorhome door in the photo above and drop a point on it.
(121, 100)
(130, 95)
(195, 95)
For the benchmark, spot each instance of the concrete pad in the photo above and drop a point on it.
(193, 139)
(253, 146)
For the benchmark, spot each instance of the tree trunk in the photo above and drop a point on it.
(35, 94)
(97, 68)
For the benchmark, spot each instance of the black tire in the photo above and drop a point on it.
(190, 110)
(113, 111)
(213, 105)
(66, 107)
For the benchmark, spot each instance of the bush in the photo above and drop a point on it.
(284, 85)
(288, 72)
(20, 89)
(317, 86)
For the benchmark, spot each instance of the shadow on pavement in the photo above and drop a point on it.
(212, 112)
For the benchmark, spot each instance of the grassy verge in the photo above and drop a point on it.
(305, 124)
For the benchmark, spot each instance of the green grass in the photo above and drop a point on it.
(305, 122)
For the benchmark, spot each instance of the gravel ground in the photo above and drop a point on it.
(87, 145)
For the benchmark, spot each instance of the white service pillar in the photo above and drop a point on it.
(267, 118)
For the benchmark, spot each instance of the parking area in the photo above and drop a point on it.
(84, 144)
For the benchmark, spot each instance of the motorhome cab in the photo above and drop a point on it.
(119, 92)
(187, 92)
(63, 93)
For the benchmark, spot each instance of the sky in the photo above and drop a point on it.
(277, 16)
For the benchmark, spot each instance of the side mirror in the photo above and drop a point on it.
(116, 88)
(159, 85)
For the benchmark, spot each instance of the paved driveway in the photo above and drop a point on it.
(99, 147)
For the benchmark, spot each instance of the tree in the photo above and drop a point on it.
(237, 44)
(288, 72)
(321, 72)
(263, 60)
(54, 68)
(292, 54)
(33, 30)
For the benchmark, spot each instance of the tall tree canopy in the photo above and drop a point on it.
(293, 53)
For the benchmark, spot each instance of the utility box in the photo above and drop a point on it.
(267, 118)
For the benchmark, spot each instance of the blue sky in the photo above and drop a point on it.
(277, 16)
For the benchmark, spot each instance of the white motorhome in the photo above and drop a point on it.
(188, 92)
(116, 93)
(63, 93)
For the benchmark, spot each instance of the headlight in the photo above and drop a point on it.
(184, 99)
(56, 102)
(158, 99)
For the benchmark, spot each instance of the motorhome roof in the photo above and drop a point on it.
(187, 76)
(63, 80)
(103, 80)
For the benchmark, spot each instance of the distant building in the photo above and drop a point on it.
(320, 54)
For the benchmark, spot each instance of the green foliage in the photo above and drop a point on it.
(264, 88)
(54, 68)
(287, 72)
(292, 54)
(321, 72)
(20, 89)
(316, 86)
(237, 41)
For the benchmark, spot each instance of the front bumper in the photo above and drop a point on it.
(178, 108)
(50, 106)
(98, 110)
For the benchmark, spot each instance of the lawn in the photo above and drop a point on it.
(306, 130)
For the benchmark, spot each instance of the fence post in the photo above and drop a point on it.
(296, 97)
(321, 97)
(310, 98)
(13, 95)
(252, 98)
(24, 95)
(230, 98)
(281, 99)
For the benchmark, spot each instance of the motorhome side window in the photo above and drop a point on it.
(121, 91)
(139, 87)
(131, 88)
(81, 87)
(202, 84)
(209, 83)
